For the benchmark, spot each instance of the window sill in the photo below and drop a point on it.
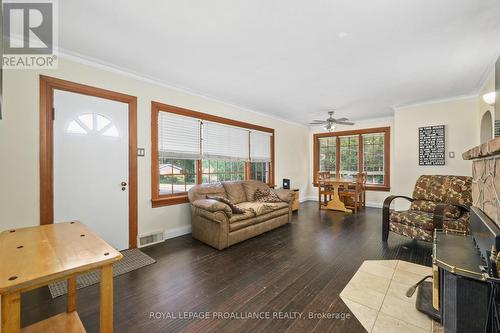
(169, 201)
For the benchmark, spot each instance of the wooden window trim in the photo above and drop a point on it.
(387, 154)
(158, 200)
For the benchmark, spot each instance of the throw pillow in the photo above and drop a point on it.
(232, 205)
(266, 195)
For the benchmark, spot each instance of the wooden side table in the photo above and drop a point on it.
(295, 205)
(36, 256)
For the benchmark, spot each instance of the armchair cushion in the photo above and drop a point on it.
(429, 207)
(212, 206)
(454, 190)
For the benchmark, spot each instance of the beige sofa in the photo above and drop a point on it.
(214, 223)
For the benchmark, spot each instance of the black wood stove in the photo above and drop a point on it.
(465, 289)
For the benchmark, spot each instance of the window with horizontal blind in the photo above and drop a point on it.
(190, 148)
(348, 153)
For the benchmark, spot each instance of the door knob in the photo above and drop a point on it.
(124, 184)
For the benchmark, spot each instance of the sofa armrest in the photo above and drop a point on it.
(212, 206)
(285, 195)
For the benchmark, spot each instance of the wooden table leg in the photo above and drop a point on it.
(71, 302)
(335, 203)
(106, 303)
(11, 313)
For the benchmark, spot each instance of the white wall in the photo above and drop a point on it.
(489, 86)
(462, 133)
(19, 142)
(373, 198)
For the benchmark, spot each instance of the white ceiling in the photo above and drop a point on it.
(287, 57)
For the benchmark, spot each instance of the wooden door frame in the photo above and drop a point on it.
(47, 87)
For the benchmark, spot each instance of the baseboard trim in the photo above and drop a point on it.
(176, 232)
(368, 204)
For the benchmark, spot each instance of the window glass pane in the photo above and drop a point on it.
(373, 158)
(219, 171)
(260, 171)
(176, 176)
(349, 149)
(328, 154)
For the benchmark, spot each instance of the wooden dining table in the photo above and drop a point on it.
(335, 203)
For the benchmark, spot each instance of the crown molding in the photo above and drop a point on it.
(96, 63)
(436, 101)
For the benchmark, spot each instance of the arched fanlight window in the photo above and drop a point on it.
(92, 123)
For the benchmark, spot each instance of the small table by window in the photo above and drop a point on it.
(37, 256)
(335, 203)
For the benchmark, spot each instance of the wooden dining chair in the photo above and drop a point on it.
(325, 191)
(353, 195)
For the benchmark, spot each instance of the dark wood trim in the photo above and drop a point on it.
(47, 87)
(353, 132)
(158, 200)
(387, 154)
(209, 117)
(170, 200)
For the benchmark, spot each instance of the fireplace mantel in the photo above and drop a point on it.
(486, 177)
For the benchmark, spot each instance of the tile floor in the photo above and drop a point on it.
(376, 296)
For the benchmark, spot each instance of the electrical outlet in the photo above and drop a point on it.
(141, 151)
(451, 154)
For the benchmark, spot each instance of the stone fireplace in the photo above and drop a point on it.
(486, 177)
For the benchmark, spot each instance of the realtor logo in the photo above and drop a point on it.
(29, 34)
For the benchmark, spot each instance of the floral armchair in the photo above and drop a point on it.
(439, 202)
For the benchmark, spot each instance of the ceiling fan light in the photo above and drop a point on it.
(330, 127)
(489, 98)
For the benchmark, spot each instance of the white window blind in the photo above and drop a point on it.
(260, 145)
(223, 142)
(178, 136)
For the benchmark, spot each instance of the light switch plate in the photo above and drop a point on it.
(141, 151)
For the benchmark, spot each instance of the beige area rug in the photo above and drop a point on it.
(376, 297)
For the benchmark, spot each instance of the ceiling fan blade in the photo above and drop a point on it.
(318, 123)
(345, 123)
(341, 119)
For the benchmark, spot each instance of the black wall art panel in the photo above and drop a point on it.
(431, 145)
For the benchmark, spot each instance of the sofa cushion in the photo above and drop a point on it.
(235, 192)
(234, 208)
(248, 214)
(271, 216)
(250, 186)
(429, 207)
(201, 191)
(259, 208)
(266, 195)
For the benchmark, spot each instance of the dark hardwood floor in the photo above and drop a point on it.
(301, 267)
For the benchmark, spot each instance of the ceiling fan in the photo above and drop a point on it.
(330, 122)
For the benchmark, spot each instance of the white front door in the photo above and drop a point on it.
(91, 164)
